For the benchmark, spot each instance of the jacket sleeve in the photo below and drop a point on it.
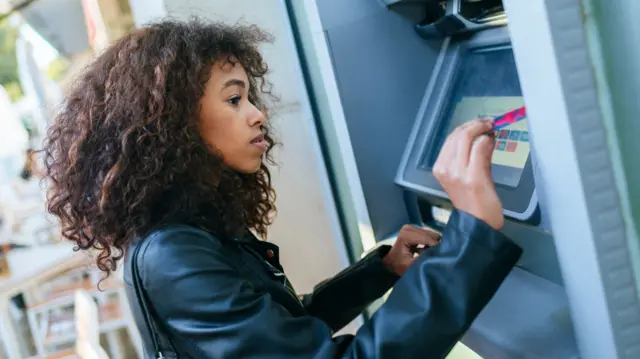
(214, 313)
(340, 299)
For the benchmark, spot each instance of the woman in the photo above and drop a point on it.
(160, 155)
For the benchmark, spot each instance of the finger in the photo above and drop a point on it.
(445, 157)
(481, 153)
(420, 250)
(466, 125)
(465, 139)
(420, 236)
(417, 250)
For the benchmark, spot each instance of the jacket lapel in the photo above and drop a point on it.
(268, 275)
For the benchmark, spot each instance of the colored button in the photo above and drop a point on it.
(524, 137)
(511, 146)
(270, 253)
(504, 134)
(501, 145)
(514, 135)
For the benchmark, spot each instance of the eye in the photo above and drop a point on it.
(235, 100)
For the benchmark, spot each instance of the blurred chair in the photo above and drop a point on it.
(50, 308)
(87, 327)
(86, 318)
(84, 350)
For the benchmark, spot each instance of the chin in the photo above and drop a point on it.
(258, 166)
(252, 168)
(248, 165)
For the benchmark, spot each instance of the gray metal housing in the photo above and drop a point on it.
(574, 293)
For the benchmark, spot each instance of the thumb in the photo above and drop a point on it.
(420, 236)
(481, 153)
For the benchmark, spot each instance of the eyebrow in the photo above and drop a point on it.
(234, 82)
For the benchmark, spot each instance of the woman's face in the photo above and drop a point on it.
(229, 122)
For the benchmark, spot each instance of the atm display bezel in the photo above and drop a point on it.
(521, 202)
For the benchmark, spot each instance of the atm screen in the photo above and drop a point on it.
(512, 142)
(488, 86)
(478, 78)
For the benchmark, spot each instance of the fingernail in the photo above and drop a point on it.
(486, 140)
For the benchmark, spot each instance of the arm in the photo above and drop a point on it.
(430, 308)
(340, 299)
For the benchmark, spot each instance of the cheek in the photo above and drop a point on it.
(228, 135)
(220, 134)
(212, 127)
(209, 133)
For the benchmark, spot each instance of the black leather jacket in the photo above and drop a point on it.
(223, 299)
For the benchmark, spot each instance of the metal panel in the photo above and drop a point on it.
(616, 27)
(527, 318)
(336, 13)
(577, 168)
(382, 68)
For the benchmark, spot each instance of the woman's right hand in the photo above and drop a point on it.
(463, 168)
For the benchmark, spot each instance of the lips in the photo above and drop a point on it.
(259, 141)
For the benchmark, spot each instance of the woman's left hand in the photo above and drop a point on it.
(411, 241)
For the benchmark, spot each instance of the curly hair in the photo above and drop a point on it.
(124, 155)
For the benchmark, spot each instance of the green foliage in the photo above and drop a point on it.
(57, 68)
(8, 61)
(14, 90)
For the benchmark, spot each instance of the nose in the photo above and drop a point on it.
(256, 117)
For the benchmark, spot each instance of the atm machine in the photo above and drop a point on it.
(407, 73)
(476, 76)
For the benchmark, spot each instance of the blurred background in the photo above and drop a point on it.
(49, 303)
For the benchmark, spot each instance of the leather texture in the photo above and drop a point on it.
(230, 299)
